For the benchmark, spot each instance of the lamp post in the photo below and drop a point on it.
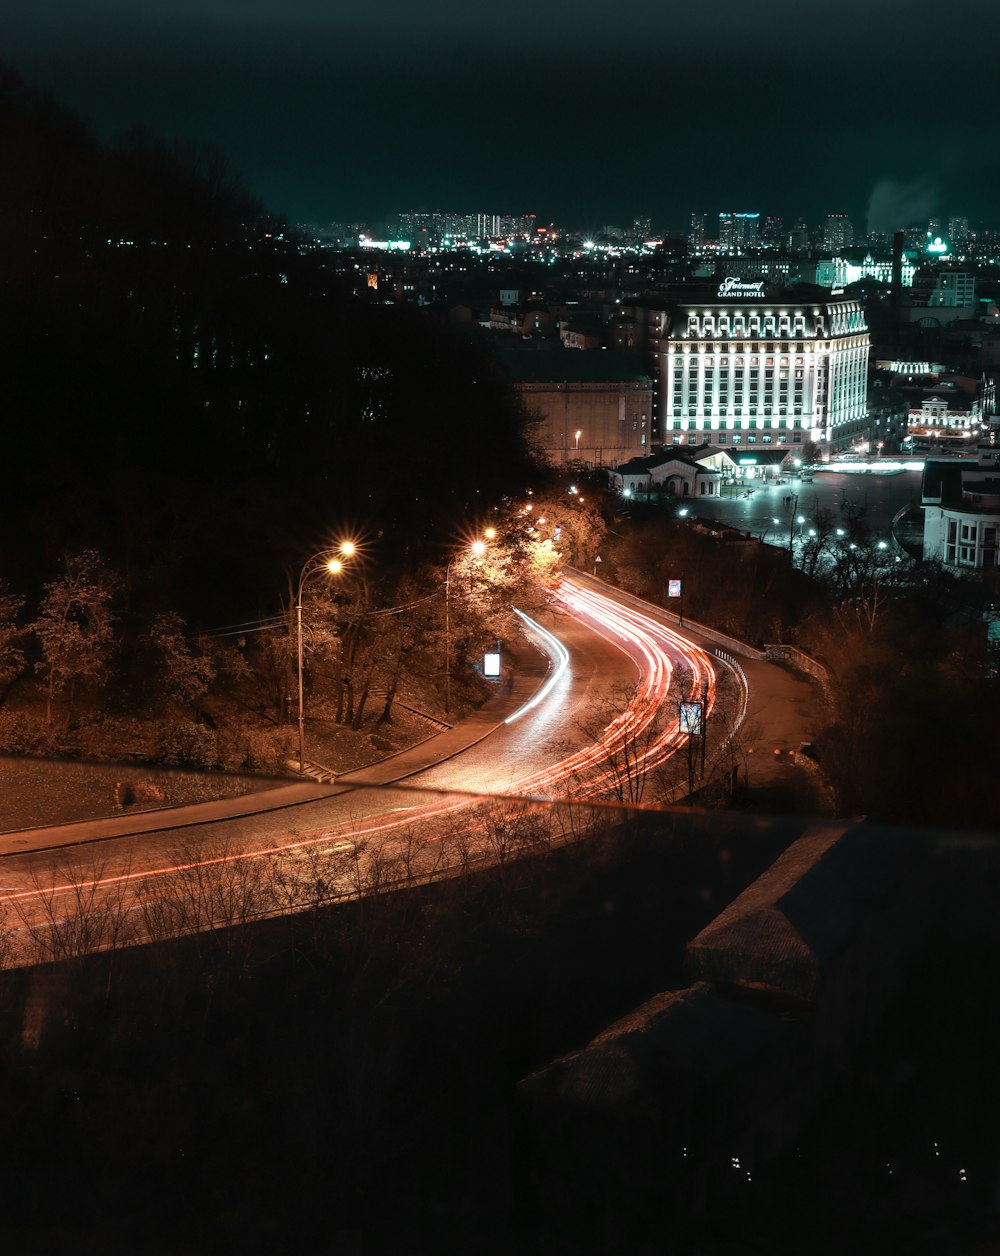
(330, 561)
(478, 548)
(791, 527)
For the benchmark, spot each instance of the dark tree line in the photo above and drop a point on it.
(914, 679)
(189, 393)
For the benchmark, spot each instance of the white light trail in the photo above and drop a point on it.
(561, 657)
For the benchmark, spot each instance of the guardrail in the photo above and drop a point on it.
(735, 666)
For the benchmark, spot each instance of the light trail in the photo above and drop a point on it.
(586, 773)
(561, 655)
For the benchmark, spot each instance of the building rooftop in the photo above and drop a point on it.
(572, 366)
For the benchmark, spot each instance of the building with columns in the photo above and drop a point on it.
(742, 364)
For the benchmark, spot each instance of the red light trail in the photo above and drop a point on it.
(670, 669)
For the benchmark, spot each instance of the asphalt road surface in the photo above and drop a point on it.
(604, 719)
(878, 498)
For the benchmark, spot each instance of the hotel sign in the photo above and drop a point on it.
(733, 287)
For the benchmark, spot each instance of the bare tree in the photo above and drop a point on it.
(75, 627)
(11, 633)
(78, 910)
(182, 676)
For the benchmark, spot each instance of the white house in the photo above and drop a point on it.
(670, 472)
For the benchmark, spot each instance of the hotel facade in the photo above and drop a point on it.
(742, 365)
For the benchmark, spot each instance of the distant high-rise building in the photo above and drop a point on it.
(738, 233)
(696, 231)
(838, 233)
(642, 229)
(772, 232)
(958, 232)
(487, 226)
(798, 238)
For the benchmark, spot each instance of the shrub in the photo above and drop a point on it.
(262, 751)
(18, 731)
(182, 743)
(113, 737)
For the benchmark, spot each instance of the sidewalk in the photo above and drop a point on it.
(528, 671)
(785, 710)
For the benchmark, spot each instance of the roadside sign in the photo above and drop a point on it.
(691, 717)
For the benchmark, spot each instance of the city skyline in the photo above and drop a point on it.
(336, 115)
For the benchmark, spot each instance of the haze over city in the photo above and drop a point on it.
(581, 113)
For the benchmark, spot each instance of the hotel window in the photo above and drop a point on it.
(736, 438)
(766, 440)
(751, 440)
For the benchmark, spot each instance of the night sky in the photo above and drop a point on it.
(582, 113)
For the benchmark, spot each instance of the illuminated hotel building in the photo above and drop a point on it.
(740, 366)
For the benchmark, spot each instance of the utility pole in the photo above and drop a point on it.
(791, 528)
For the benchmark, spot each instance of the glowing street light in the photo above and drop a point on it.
(330, 561)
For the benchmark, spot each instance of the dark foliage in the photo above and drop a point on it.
(188, 394)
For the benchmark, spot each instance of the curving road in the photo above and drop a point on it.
(603, 721)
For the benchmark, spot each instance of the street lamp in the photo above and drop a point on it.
(330, 561)
(578, 434)
(791, 526)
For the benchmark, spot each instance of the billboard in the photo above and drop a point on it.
(691, 717)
